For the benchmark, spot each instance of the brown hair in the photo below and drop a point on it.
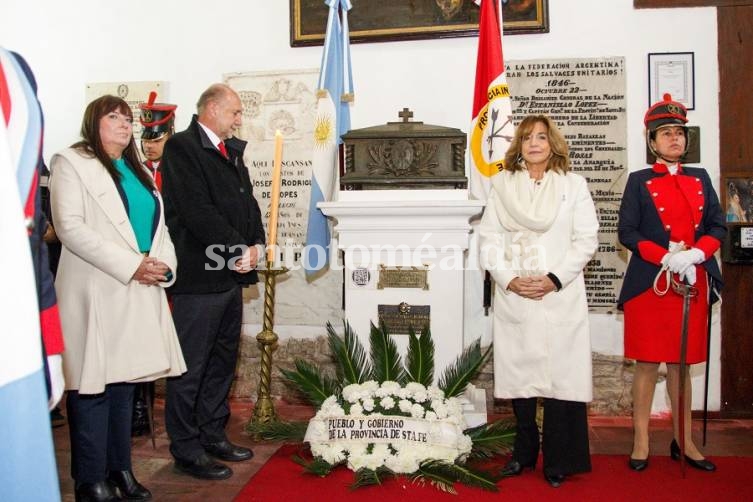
(92, 142)
(560, 158)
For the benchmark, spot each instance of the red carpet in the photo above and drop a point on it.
(281, 479)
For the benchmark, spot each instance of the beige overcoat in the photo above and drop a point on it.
(115, 329)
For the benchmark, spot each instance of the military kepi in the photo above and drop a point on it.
(665, 113)
(157, 119)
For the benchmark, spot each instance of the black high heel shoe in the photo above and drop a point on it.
(515, 468)
(638, 464)
(703, 464)
(130, 489)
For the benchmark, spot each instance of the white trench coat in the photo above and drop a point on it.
(543, 348)
(115, 329)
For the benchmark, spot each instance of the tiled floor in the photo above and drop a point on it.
(153, 467)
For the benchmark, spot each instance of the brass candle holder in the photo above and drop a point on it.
(264, 411)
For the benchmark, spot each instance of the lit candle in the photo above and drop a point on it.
(274, 204)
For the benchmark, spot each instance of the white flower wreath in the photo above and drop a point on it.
(433, 428)
(383, 418)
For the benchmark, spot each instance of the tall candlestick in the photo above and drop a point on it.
(274, 204)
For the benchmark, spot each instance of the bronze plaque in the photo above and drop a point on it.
(403, 277)
(398, 319)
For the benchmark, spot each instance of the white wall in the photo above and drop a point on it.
(192, 43)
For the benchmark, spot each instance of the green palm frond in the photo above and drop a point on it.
(318, 466)
(385, 358)
(352, 365)
(446, 485)
(419, 363)
(465, 368)
(314, 384)
(493, 439)
(368, 477)
(443, 475)
(290, 432)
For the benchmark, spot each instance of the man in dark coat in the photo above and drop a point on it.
(215, 224)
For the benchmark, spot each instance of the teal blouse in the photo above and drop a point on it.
(141, 205)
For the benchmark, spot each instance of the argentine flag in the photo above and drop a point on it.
(334, 93)
(27, 460)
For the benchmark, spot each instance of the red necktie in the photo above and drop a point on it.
(222, 149)
(150, 165)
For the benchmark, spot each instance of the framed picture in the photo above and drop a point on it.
(671, 72)
(737, 201)
(737, 198)
(390, 20)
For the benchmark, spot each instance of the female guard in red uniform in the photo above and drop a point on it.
(671, 220)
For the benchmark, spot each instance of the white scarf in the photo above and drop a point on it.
(526, 213)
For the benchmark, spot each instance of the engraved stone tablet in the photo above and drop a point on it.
(398, 319)
(403, 277)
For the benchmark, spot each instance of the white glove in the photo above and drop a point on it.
(689, 275)
(679, 262)
(57, 381)
(674, 247)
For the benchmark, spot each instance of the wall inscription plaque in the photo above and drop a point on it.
(399, 319)
(403, 277)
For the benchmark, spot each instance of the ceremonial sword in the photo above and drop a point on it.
(687, 291)
(706, 376)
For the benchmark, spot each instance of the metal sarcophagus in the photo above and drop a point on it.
(404, 155)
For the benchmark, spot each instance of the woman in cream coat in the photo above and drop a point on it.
(117, 258)
(538, 232)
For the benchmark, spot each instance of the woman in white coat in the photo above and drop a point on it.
(117, 258)
(538, 232)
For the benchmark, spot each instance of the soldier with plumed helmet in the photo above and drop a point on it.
(671, 221)
(158, 122)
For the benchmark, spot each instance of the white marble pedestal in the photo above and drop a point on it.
(406, 228)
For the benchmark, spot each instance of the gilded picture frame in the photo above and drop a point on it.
(392, 20)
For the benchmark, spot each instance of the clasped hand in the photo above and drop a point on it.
(533, 288)
(151, 271)
(683, 263)
(248, 261)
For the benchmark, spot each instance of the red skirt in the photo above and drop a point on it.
(653, 324)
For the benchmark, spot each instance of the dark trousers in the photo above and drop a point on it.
(196, 405)
(100, 429)
(565, 437)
